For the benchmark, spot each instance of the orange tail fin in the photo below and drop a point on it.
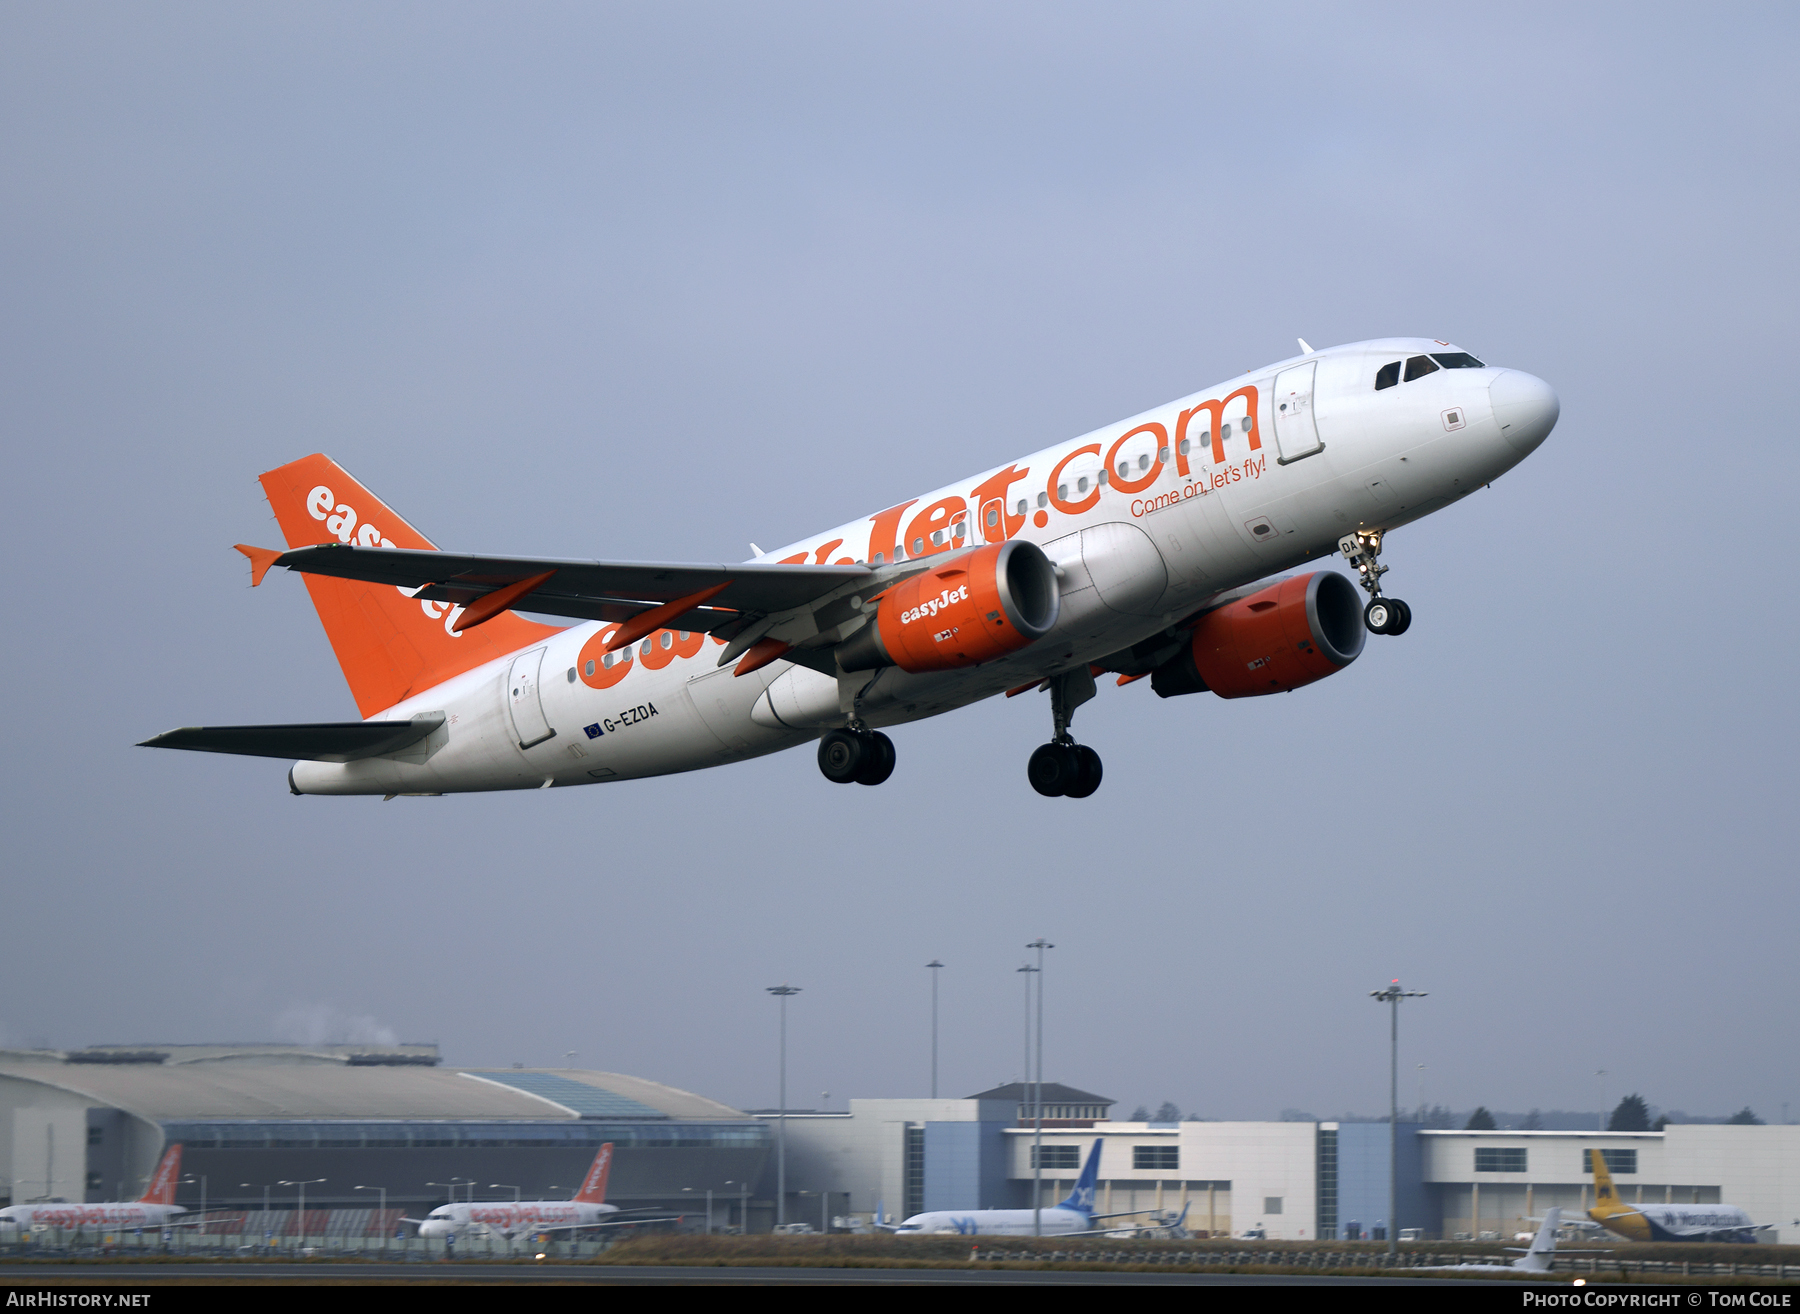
(593, 1190)
(162, 1186)
(390, 646)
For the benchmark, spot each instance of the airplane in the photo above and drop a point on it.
(1539, 1258)
(586, 1208)
(156, 1208)
(1073, 1215)
(1155, 547)
(1666, 1222)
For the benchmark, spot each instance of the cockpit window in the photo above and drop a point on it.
(1418, 367)
(1387, 376)
(1457, 360)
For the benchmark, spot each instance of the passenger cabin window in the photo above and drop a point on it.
(1419, 366)
(1457, 360)
(1387, 376)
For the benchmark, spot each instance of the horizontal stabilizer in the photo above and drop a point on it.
(323, 741)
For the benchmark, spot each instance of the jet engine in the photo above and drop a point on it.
(973, 608)
(1292, 633)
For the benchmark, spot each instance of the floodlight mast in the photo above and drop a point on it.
(934, 965)
(1037, 1139)
(1392, 996)
(781, 993)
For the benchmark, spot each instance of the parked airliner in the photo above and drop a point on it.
(586, 1208)
(1150, 547)
(156, 1208)
(1666, 1222)
(1073, 1215)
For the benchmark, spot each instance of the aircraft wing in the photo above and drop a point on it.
(617, 1222)
(322, 741)
(612, 591)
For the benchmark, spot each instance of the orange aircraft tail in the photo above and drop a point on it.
(389, 644)
(162, 1185)
(593, 1190)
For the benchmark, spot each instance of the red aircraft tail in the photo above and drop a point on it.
(162, 1186)
(389, 644)
(593, 1190)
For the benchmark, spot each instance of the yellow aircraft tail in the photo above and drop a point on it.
(1611, 1212)
(1606, 1195)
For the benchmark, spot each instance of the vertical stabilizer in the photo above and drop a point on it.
(593, 1189)
(1081, 1199)
(1606, 1195)
(1543, 1245)
(389, 644)
(168, 1172)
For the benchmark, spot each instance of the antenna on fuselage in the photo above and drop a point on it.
(1304, 349)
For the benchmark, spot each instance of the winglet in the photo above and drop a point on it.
(260, 561)
(487, 607)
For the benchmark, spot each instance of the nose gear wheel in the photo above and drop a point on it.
(1361, 548)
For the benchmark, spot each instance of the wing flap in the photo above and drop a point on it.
(321, 741)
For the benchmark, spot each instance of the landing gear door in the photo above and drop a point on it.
(1296, 432)
(524, 702)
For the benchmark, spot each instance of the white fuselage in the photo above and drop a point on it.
(118, 1214)
(1136, 554)
(996, 1222)
(1673, 1222)
(484, 1218)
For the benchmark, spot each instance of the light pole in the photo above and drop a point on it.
(1392, 997)
(934, 965)
(382, 1219)
(300, 1237)
(1025, 1080)
(505, 1186)
(202, 1180)
(570, 1056)
(1037, 1138)
(265, 1191)
(782, 992)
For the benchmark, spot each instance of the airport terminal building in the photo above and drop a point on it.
(90, 1126)
(1282, 1180)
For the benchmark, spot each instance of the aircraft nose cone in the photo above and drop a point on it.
(1525, 407)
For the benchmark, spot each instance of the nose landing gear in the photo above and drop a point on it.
(1382, 615)
(863, 757)
(1063, 768)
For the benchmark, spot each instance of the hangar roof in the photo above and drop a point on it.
(278, 1089)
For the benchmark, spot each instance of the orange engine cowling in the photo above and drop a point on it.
(973, 608)
(1287, 635)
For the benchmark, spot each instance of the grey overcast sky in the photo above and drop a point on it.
(656, 280)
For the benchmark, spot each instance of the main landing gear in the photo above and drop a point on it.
(865, 757)
(1063, 768)
(1382, 615)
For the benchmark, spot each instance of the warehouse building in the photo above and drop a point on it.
(353, 1121)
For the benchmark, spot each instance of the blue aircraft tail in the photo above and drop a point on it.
(1081, 1199)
